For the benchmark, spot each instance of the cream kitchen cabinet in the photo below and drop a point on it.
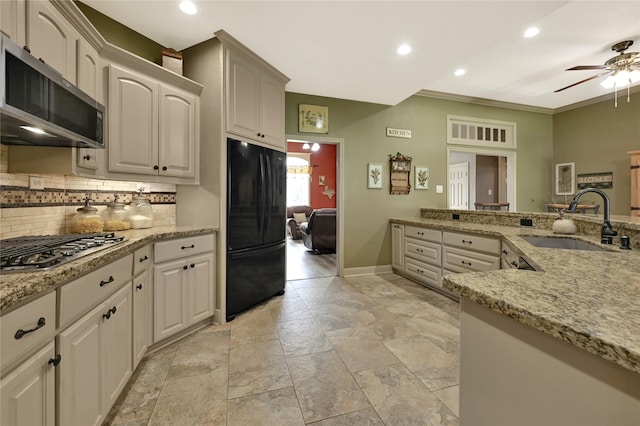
(52, 38)
(90, 82)
(423, 255)
(27, 388)
(255, 96)
(184, 284)
(469, 252)
(96, 350)
(28, 392)
(397, 246)
(153, 127)
(142, 293)
(13, 20)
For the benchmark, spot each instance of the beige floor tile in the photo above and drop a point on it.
(195, 400)
(324, 386)
(255, 355)
(451, 398)
(436, 368)
(253, 326)
(385, 324)
(360, 349)
(262, 379)
(364, 417)
(278, 407)
(289, 309)
(301, 337)
(201, 353)
(443, 335)
(400, 399)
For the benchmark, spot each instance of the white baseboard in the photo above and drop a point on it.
(367, 270)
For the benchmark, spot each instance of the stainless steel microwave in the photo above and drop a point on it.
(38, 107)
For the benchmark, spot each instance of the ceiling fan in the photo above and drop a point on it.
(624, 69)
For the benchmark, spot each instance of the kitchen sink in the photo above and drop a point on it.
(566, 243)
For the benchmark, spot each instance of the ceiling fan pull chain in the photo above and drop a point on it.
(615, 94)
(629, 91)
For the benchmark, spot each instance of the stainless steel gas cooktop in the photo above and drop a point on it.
(44, 252)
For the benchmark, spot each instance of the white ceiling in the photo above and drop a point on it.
(346, 49)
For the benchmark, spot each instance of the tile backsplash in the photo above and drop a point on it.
(25, 211)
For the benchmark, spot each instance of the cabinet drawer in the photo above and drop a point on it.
(82, 294)
(424, 272)
(509, 259)
(425, 234)
(141, 260)
(176, 249)
(472, 242)
(457, 260)
(424, 251)
(16, 343)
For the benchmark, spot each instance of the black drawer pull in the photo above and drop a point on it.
(467, 241)
(420, 250)
(466, 263)
(514, 264)
(20, 333)
(186, 247)
(420, 233)
(419, 270)
(505, 252)
(109, 313)
(110, 280)
(142, 259)
(55, 361)
(139, 287)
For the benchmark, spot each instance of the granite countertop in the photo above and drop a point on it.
(19, 288)
(588, 298)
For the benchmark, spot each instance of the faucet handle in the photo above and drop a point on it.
(625, 243)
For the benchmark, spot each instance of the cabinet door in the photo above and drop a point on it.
(80, 372)
(170, 299)
(12, 20)
(141, 316)
(243, 96)
(28, 393)
(89, 82)
(397, 246)
(51, 38)
(200, 280)
(116, 346)
(178, 131)
(272, 100)
(133, 122)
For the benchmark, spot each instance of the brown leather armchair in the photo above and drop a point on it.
(293, 224)
(319, 233)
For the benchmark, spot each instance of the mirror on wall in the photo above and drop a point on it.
(565, 178)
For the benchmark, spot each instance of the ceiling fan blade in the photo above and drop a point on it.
(582, 81)
(587, 67)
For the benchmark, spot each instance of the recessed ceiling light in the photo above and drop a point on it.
(531, 32)
(459, 72)
(188, 7)
(404, 49)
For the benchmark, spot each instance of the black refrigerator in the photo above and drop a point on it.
(256, 216)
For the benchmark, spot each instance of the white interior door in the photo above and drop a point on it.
(459, 186)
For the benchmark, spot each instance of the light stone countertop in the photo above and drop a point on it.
(588, 298)
(18, 288)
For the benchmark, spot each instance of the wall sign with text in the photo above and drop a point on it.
(595, 180)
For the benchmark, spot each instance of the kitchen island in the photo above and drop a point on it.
(558, 345)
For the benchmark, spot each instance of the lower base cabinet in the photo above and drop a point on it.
(96, 354)
(28, 393)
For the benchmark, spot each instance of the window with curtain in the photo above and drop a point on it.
(298, 179)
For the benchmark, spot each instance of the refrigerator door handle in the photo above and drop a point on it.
(260, 203)
(268, 193)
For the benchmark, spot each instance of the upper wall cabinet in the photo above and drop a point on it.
(12, 20)
(152, 126)
(255, 96)
(88, 74)
(52, 38)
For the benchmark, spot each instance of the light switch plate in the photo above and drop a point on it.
(439, 189)
(36, 182)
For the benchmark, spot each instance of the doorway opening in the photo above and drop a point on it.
(314, 192)
(490, 180)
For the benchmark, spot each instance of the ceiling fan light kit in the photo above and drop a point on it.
(623, 69)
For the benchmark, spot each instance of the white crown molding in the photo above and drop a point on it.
(483, 101)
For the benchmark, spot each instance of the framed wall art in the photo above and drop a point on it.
(374, 176)
(422, 177)
(313, 119)
(565, 178)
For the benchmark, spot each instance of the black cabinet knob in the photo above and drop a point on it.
(193, 265)
(87, 157)
(55, 361)
(185, 267)
(164, 168)
(142, 259)
(139, 287)
(155, 167)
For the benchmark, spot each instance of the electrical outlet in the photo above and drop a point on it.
(439, 189)
(36, 182)
(490, 192)
(143, 186)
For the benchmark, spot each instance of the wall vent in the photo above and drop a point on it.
(480, 132)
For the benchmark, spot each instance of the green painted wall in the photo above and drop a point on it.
(122, 36)
(362, 126)
(597, 138)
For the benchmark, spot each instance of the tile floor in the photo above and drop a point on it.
(367, 350)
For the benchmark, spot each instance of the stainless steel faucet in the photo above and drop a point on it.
(607, 232)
